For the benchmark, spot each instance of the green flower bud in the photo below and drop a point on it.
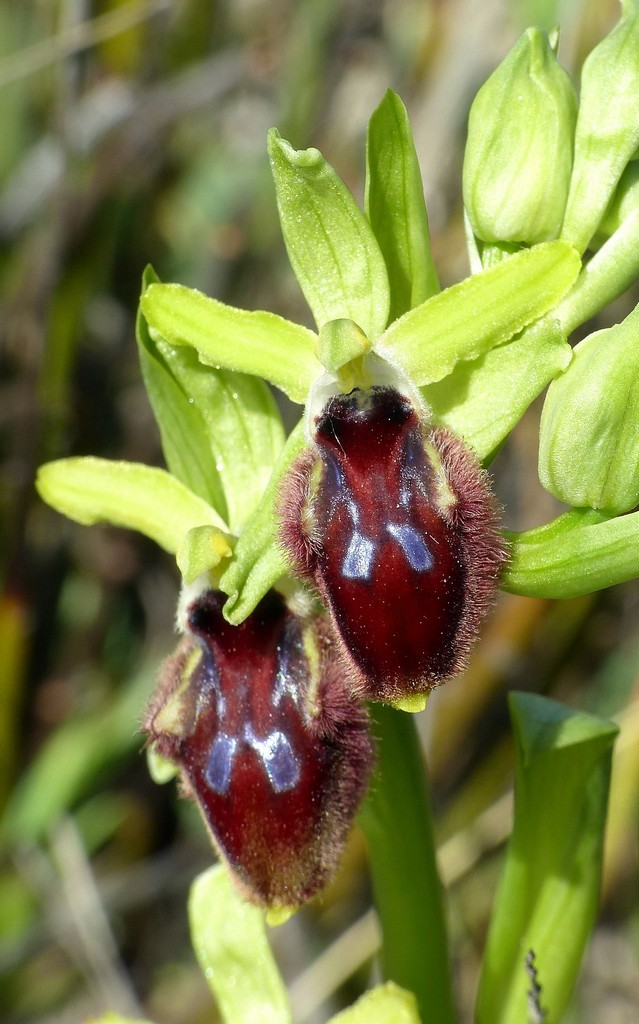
(519, 152)
(589, 437)
(607, 133)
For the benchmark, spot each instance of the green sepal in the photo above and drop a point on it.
(258, 560)
(483, 399)
(624, 201)
(607, 133)
(548, 895)
(518, 156)
(394, 198)
(580, 552)
(468, 319)
(255, 342)
(127, 494)
(201, 551)
(589, 434)
(221, 431)
(330, 243)
(386, 1004)
(229, 939)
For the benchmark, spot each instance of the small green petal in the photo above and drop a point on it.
(330, 243)
(396, 207)
(127, 494)
(258, 560)
(202, 550)
(482, 400)
(254, 342)
(468, 319)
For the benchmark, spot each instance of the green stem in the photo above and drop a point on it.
(396, 819)
(607, 275)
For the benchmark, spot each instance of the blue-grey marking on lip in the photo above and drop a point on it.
(359, 558)
(413, 545)
(276, 754)
(220, 763)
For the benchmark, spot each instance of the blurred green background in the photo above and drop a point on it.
(133, 131)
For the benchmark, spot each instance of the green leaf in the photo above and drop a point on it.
(330, 243)
(548, 894)
(229, 938)
(127, 494)
(221, 431)
(483, 399)
(254, 342)
(468, 319)
(587, 556)
(396, 208)
(386, 1004)
(258, 561)
(593, 460)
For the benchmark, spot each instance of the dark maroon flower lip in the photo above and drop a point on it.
(272, 746)
(394, 521)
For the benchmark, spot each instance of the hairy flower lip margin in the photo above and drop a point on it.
(271, 744)
(394, 522)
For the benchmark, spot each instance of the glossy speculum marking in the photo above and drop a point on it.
(395, 522)
(277, 759)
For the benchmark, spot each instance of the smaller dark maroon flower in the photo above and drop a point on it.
(395, 522)
(272, 747)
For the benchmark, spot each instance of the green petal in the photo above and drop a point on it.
(396, 208)
(221, 431)
(548, 896)
(386, 1004)
(258, 560)
(229, 938)
(254, 342)
(468, 319)
(483, 399)
(578, 553)
(330, 244)
(127, 494)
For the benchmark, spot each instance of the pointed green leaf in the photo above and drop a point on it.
(396, 208)
(548, 895)
(126, 494)
(221, 431)
(470, 318)
(258, 560)
(330, 243)
(483, 399)
(255, 342)
(386, 1004)
(592, 553)
(229, 938)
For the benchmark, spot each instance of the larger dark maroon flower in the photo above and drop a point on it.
(272, 746)
(395, 522)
